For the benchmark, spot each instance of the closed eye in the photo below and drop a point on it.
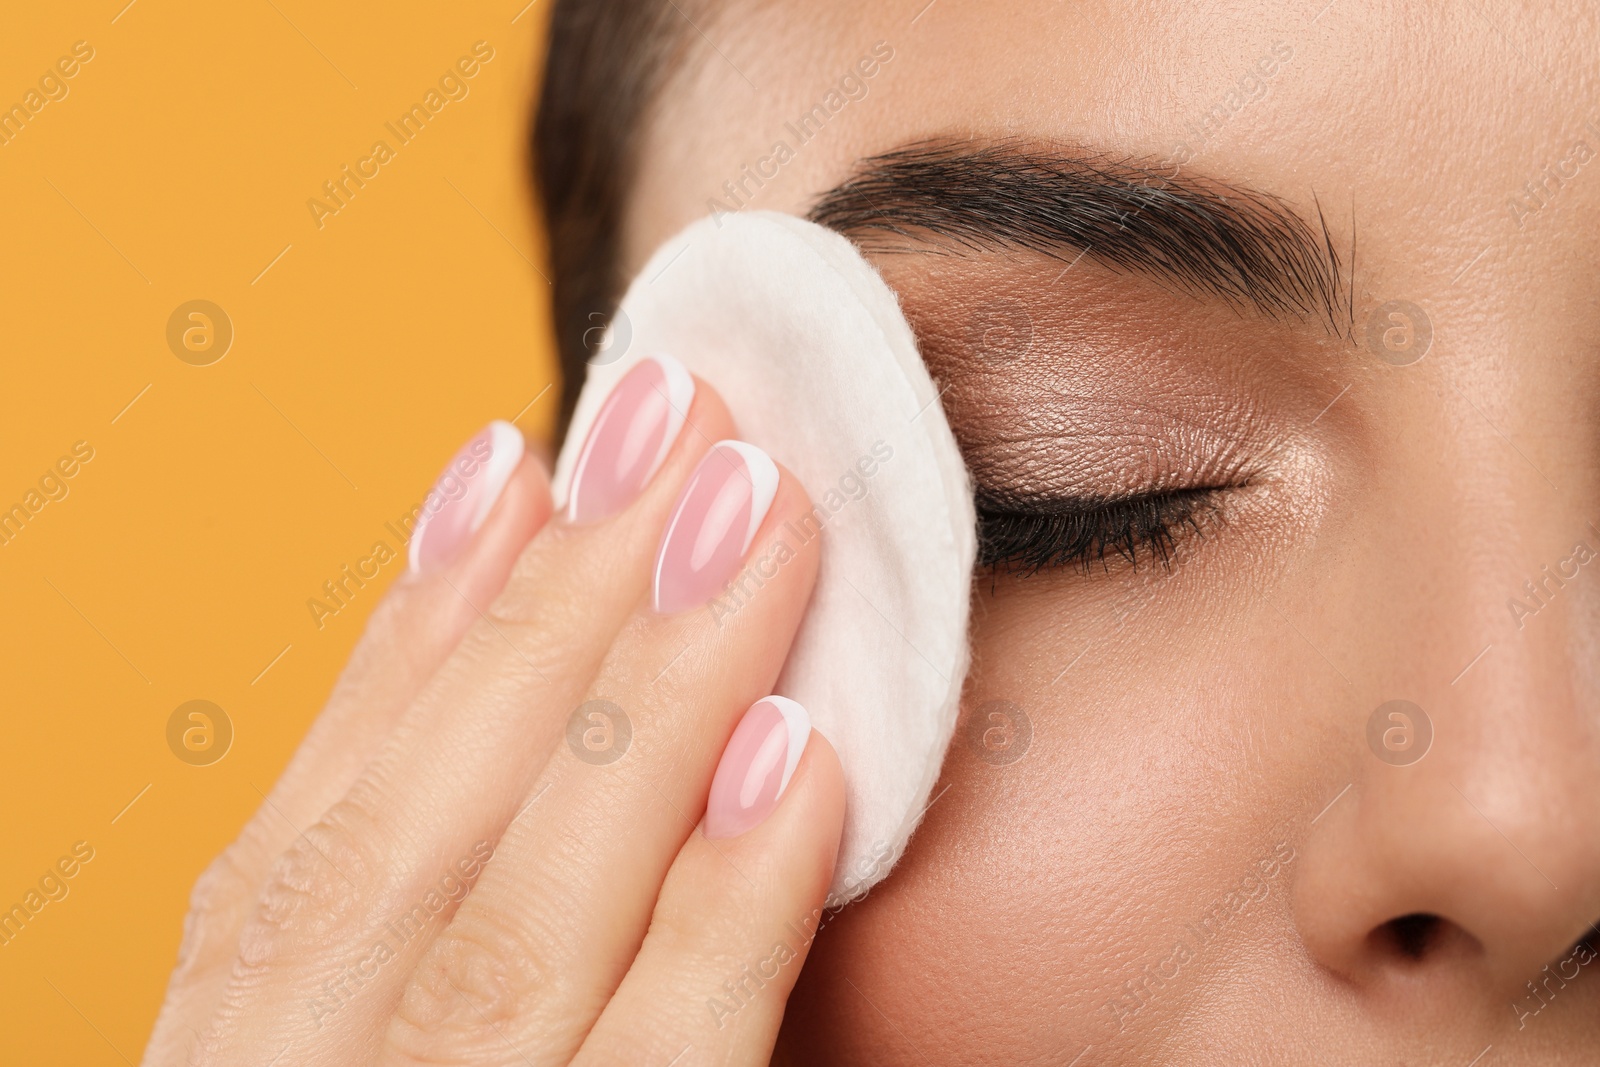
(1024, 536)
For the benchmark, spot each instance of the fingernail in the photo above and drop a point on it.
(756, 766)
(712, 526)
(464, 495)
(629, 438)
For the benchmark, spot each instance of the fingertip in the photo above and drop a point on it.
(708, 414)
(821, 774)
(808, 825)
(541, 449)
(793, 519)
(535, 477)
(524, 507)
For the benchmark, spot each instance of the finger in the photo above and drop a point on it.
(738, 911)
(388, 862)
(490, 500)
(548, 933)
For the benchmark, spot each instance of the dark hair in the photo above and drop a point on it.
(606, 61)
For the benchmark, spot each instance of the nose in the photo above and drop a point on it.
(1472, 856)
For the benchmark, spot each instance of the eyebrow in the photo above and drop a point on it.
(1204, 236)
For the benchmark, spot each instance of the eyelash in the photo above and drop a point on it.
(1025, 538)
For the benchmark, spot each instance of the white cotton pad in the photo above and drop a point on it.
(808, 347)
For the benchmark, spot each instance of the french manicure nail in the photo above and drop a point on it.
(629, 438)
(756, 766)
(711, 528)
(464, 495)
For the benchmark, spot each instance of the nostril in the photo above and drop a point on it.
(1410, 937)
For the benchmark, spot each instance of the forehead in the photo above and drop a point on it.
(1419, 125)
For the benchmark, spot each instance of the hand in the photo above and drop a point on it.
(467, 863)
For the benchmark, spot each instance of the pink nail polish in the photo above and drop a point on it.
(756, 766)
(464, 495)
(629, 438)
(712, 526)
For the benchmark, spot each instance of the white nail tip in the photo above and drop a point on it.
(763, 475)
(799, 723)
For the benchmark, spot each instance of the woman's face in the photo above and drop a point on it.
(1218, 843)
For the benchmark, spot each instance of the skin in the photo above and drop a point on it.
(1191, 722)
(584, 916)
(1197, 857)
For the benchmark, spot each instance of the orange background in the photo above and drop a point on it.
(177, 567)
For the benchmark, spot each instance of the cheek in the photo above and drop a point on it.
(1045, 880)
